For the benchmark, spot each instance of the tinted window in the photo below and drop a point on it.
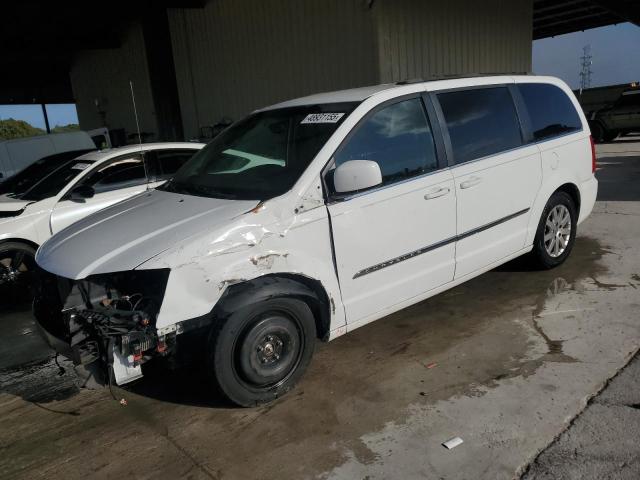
(167, 162)
(629, 100)
(480, 121)
(122, 173)
(398, 138)
(550, 110)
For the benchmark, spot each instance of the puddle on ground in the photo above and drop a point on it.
(460, 342)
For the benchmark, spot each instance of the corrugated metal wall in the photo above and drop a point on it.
(422, 39)
(234, 56)
(105, 75)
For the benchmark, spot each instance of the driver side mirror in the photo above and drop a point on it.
(81, 192)
(355, 175)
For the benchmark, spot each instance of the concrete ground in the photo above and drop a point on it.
(505, 361)
(602, 442)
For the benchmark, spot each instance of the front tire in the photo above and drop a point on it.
(17, 263)
(556, 231)
(259, 352)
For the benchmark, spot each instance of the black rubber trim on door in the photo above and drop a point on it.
(440, 244)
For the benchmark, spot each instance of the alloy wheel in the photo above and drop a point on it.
(557, 231)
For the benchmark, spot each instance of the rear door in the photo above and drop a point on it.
(395, 241)
(497, 175)
(112, 181)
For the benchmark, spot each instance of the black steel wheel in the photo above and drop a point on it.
(259, 352)
(17, 263)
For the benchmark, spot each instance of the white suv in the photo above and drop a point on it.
(313, 217)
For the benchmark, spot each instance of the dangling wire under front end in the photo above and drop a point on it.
(108, 318)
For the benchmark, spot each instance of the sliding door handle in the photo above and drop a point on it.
(471, 182)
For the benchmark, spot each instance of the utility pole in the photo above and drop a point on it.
(585, 63)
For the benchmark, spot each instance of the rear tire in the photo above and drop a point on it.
(556, 231)
(597, 132)
(610, 136)
(259, 352)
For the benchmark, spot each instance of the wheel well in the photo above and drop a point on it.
(300, 286)
(20, 240)
(571, 190)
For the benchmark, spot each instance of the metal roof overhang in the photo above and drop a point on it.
(38, 40)
(557, 17)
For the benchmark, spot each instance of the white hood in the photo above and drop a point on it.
(129, 233)
(8, 204)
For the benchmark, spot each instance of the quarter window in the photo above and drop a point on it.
(480, 121)
(398, 138)
(550, 110)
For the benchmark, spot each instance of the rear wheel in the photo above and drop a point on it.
(259, 352)
(556, 231)
(17, 263)
(610, 136)
(597, 132)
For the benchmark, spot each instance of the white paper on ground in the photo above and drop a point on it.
(454, 442)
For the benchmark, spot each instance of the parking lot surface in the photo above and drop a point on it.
(505, 362)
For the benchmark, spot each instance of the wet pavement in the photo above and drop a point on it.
(504, 361)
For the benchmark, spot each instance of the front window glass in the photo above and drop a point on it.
(121, 173)
(261, 156)
(398, 138)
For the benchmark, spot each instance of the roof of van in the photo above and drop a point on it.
(362, 93)
(114, 152)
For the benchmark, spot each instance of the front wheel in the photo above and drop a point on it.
(556, 231)
(259, 352)
(17, 263)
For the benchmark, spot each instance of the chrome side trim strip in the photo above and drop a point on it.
(440, 244)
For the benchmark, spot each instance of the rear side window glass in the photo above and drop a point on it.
(397, 137)
(167, 162)
(550, 110)
(481, 122)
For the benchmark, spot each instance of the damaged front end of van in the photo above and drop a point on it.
(104, 320)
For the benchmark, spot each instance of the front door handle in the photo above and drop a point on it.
(471, 182)
(439, 192)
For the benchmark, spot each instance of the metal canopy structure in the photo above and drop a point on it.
(38, 40)
(557, 17)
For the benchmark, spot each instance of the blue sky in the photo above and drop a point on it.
(615, 50)
(59, 114)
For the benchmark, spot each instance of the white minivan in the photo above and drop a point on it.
(313, 217)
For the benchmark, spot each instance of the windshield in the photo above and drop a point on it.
(55, 181)
(261, 156)
(26, 179)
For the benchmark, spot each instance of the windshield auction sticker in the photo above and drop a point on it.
(80, 166)
(322, 118)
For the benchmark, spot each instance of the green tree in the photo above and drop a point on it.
(12, 128)
(72, 127)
